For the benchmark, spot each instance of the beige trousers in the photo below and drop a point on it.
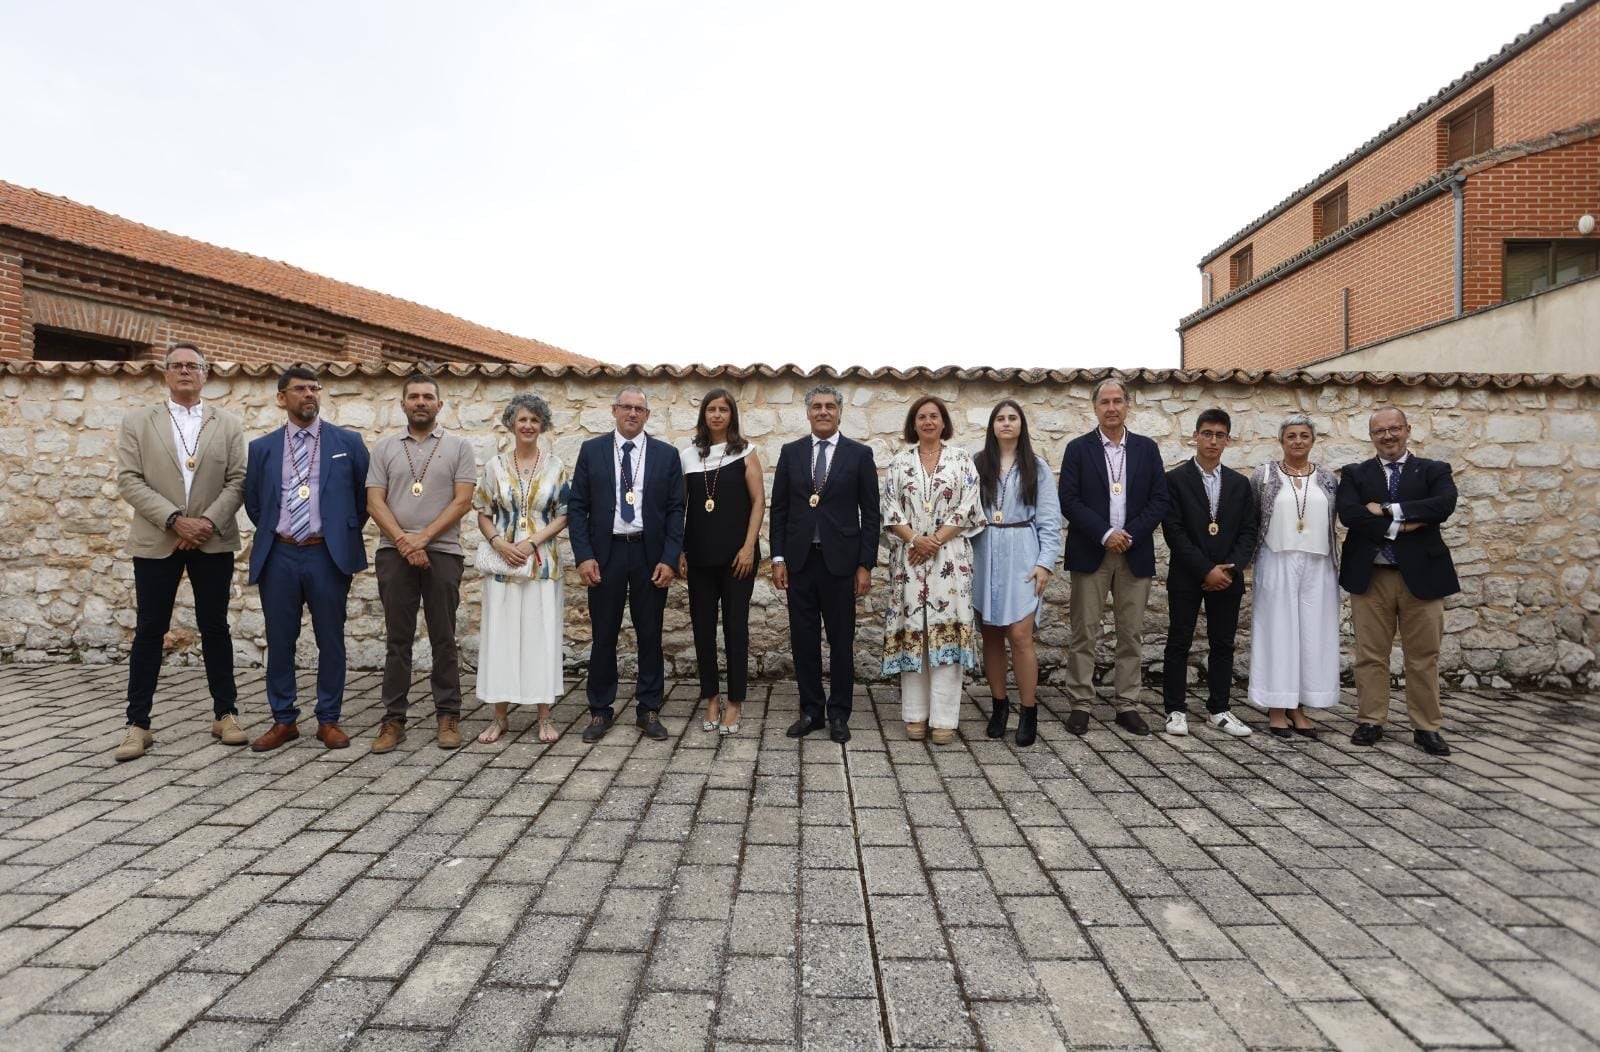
(1128, 595)
(1386, 607)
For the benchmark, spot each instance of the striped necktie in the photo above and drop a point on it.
(1394, 498)
(300, 507)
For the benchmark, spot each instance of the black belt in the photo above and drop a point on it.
(628, 538)
(1011, 525)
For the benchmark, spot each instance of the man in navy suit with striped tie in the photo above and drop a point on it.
(305, 488)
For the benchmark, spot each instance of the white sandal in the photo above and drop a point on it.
(709, 724)
(730, 728)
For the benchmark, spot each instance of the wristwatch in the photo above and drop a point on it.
(173, 518)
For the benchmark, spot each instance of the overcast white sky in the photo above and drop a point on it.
(732, 181)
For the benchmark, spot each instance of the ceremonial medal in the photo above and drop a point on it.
(816, 498)
(522, 524)
(998, 516)
(305, 492)
(711, 505)
(190, 463)
(1116, 487)
(418, 476)
(416, 489)
(1302, 526)
(1212, 529)
(927, 506)
(629, 497)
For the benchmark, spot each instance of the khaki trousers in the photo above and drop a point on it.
(1385, 607)
(1128, 594)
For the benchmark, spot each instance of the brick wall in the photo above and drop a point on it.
(11, 323)
(1554, 84)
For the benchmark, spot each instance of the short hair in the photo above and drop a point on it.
(533, 404)
(1388, 409)
(166, 360)
(632, 389)
(420, 378)
(1296, 420)
(916, 407)
(822, 389)
(1110, 381)
(295, 372)
(1215, 416)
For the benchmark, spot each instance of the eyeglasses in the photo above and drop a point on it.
(1385, 432)
(1214, 436)
(186, 367)
(630, 408)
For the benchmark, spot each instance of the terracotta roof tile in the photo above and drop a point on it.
(65, 220)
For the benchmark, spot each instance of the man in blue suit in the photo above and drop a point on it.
(825, 523)
(1113, 496)
(305, 490)
(625, 520)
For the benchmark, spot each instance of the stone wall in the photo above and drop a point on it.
(1526, 535)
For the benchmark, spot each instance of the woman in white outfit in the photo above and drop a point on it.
(1294, 644)
(930, 510)
(521, 503)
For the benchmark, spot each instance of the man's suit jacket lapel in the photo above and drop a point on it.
(205, 430)
(606, 500)
(161, 420)
(834, 453)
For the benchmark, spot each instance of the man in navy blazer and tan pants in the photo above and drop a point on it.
(305, 488)
(625, 520)
(1113, 496)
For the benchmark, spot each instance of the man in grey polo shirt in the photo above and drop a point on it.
(419, 486)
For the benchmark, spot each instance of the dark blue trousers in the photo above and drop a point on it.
(293, 579)
(625, 581)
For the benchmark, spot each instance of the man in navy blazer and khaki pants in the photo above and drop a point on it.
(1398, 572)
(625, 520)
(1113, 496)
(305, 488)
(825, 523)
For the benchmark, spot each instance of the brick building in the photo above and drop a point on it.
(79, 284)
(1473, 199)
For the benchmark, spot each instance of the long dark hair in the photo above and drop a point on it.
(702, 433)
(988, 461)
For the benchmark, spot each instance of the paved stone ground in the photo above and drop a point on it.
(1184, 894)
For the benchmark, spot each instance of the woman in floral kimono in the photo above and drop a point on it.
(930, 512)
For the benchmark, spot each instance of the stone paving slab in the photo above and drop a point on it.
(752, 892)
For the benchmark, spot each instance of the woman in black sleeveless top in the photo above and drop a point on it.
(726, 501)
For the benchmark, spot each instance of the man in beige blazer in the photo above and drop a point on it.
(181, 465)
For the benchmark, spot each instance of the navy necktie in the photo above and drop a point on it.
(627, 481)
(1394, 498)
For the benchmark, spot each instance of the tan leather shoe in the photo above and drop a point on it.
(330, 735)
(390, 734)
(942, 736)
(134, 743)
(228, 731)
(280, 733)
(449, 732)
(916, 731)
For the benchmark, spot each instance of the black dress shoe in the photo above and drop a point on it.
(598, 725)
(1280, 732)
(1431, 742)
(1078, 722)
(650, 724)
(839, 731)
(998, 716)
(1307, 732)
(1133, 723)
(804, 726)
(1027, 725)
(1366, 734)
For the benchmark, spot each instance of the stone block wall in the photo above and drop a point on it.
(1526, 449)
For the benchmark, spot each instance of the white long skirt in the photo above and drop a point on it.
(519, 648)
(1294, 631)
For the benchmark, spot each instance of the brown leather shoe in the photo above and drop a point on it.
(449, 732)
(391, 734)
(280, 733)
(330, 735)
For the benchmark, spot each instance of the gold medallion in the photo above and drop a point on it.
(816, 498)
(999, 517)
(190, 463)
(1302, 526)
(416, 489)
(1116, 487)
(628, 496)
(1212, 529)
(304, 492)
(522, 524)
(711, 505)
(927, 507)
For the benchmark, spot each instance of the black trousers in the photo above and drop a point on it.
(712, 588)
(818, 600)
(155, 589)
(625, 582)
(402, 588)
(1222, 625)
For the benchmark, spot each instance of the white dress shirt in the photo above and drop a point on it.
(186, 421)
(1116, 453)
(636, 465)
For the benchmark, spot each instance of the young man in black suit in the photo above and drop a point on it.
(1398, 572)
(1211, 527)
(625, 520)
(825, 525)
(1113, 496)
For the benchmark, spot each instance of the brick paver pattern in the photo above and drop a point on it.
(751, 891)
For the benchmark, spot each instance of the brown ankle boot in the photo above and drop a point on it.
(390, 734)
(449, 732)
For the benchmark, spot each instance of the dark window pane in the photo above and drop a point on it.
(58, 345)
(1575, 260)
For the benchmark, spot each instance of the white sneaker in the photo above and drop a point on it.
(1177, 723)
(1228, 723)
